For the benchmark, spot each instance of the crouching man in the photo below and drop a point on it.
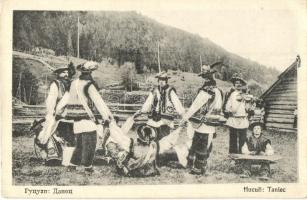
(257, 144)
(137, 157)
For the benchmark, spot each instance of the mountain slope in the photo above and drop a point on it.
(128, 36)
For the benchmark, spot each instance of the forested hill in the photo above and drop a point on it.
(128, 36)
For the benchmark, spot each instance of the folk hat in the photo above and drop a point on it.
(238, 77)
(208, 69)
(256, 123)
(60, 70)
(163, 75)
(88, 66)
(146, 134)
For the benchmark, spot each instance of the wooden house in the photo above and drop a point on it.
(281, 101)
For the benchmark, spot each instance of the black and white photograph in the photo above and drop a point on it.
(155, 96)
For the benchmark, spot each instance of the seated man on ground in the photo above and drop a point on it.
(257, 144)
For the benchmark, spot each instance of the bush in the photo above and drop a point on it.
(128, 76)
(255, 89)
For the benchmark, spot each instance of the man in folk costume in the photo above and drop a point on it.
(237, 106)
(64, 128)
(162, 105)
(79, 105)
(257, 144)
(204, 114)
(137, 157)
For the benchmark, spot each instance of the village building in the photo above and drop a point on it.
(281, 101)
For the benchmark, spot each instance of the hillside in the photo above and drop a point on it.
(36, 77)
(128, 36)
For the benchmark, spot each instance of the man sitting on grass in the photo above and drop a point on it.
(257, 144)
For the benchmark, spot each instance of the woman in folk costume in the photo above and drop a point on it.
(237, 106)
(80, 104)
(204, 113)
(50, 124)
(162, 105)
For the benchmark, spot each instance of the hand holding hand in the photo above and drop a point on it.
(136, 114)
(111, 118)
(262, 153)
(253, 153)
(182, 123)
(172, 125)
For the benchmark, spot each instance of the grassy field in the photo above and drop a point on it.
(27, 170)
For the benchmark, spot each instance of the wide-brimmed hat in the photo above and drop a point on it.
(208, 69)
(163, 75)
(256, 123)
(60, 70)
(238, 77)
(146, 134)
(88, 66)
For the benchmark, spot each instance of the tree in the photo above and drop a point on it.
(25, 86)
(128, 76)
(128, 37)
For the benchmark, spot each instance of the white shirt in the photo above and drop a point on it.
(86, 125)
(175, 100)
(51, 100)
(237, 107)
(200, 100)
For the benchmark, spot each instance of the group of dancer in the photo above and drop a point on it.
(77, 117)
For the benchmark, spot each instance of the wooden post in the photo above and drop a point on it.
(159, 58)
(298, 61)
(131, 80)
(46, 86)
(18, 92)
(201, 63)
(124, 99)
(29, 101)
(78, 39)
(24, 94)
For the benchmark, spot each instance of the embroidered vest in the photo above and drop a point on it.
(163, 106)
(61, 89)
(210, 112)
(257, 144)
(74, 108)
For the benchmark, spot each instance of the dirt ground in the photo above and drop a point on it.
(28, 170)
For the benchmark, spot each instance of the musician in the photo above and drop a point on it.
(237, 108)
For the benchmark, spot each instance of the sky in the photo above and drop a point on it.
(267, 36)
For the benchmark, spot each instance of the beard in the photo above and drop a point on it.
(66, 82)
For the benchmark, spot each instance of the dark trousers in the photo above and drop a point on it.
(85, 149)
(163, 131)
(65, 131)
(199, 151)
(237, 138)
(200, 145)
